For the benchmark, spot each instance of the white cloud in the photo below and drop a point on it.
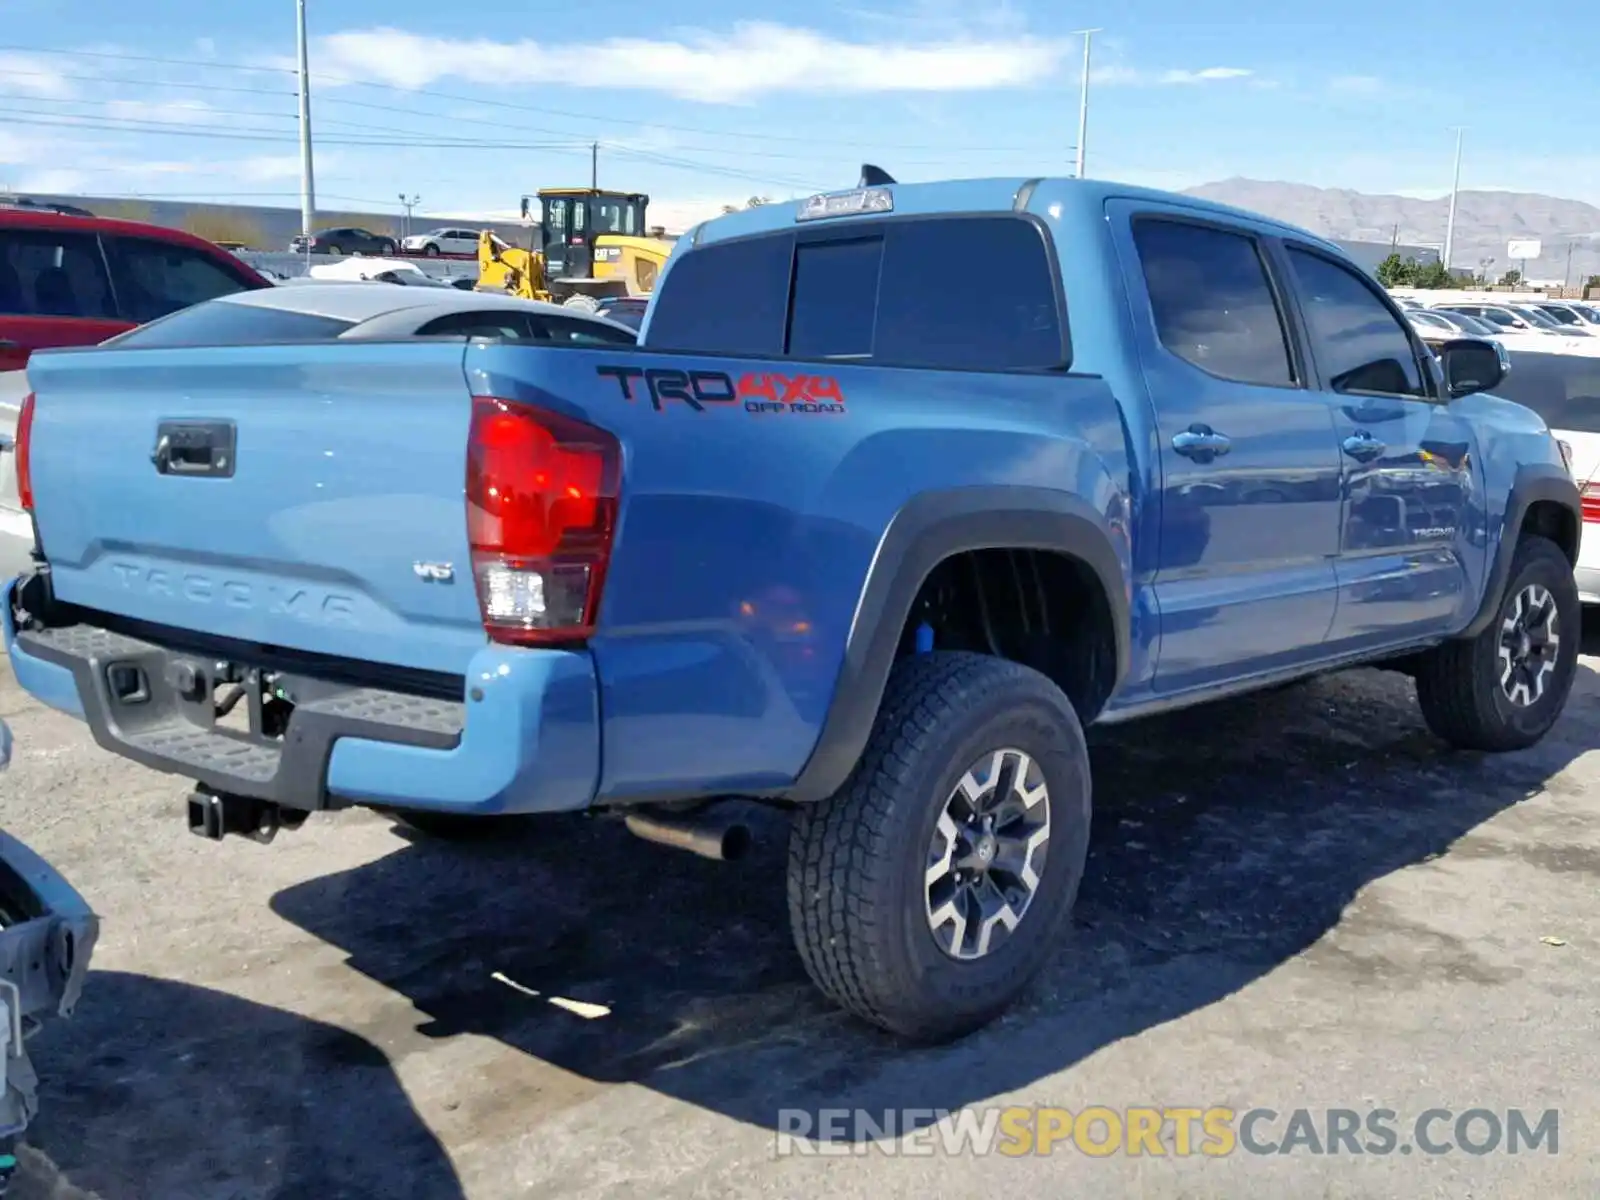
(1117, 74)
(269, 168)
(755, 58)
(165, 112)
(57, 181)
(25, 73)
(1357, 85)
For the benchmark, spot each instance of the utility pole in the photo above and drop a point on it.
(594, 166)
(308, 195)
(408, 203)
(1083, 101)
(1455, 187)
(1566, 279)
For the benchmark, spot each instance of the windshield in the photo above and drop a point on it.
(1537, 316)
(615, 216)
(1487, 317)
(1466, 324)
(1587, 312)
(1561, 316)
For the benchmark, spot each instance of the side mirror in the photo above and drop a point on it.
(1470, 365)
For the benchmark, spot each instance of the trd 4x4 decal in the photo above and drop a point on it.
(758, 392)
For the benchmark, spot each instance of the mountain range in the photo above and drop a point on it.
(1485, 223)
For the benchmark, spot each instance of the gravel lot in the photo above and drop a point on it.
(1295, 900)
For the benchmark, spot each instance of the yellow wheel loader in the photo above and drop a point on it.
(593, 245)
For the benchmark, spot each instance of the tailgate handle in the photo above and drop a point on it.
(202, 448)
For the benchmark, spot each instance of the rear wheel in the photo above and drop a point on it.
(929, 891)
(1505, 688)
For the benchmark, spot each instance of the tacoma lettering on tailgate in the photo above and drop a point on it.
(291, 600)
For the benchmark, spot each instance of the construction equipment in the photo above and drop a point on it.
(592, 245)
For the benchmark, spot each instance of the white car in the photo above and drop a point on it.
(374, 270)
(1573, 314)
(442, 241)
(1564, 389)
(1504, 316)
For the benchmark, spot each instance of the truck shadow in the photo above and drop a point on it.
(1228, 840)
(159, 1089)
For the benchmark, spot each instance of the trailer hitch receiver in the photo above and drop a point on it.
(214, 815)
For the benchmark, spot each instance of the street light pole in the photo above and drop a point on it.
(1083, 102)
(408, 203)
(308, 198)
(1455, 187)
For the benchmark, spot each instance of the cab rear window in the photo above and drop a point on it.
(219, 323)
(872, 292)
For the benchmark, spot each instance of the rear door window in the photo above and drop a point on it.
(155, 278)
(1212, 301)
(44, 273)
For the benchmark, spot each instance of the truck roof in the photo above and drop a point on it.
(997, 194)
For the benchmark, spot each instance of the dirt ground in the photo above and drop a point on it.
(1298, 900)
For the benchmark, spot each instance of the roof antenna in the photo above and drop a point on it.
(872, 176)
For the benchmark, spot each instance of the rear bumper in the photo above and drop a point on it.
(525, 737)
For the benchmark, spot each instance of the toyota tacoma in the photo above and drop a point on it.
(836, 537)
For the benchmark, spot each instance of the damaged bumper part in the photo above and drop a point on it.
(47, 935)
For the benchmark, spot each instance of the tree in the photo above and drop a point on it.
(1392, 272)
(1511, 278)
(1434, 275)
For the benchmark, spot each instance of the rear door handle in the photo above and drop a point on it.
(1201, 443)
(8, 344)
(1363, 447)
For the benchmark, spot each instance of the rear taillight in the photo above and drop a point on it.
(541, 508)
(24, 437)
(1591, 503)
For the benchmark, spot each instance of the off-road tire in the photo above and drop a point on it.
(857, 860)
(1458, 683)
(582, 302)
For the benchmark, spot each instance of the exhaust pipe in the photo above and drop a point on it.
(723, 838)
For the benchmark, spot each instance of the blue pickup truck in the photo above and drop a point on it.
(840, 535)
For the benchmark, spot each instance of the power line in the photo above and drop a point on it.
(513, 106)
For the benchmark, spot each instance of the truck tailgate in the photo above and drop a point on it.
(299, 496)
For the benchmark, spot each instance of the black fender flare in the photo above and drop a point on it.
(930, 528)
(1534, 483)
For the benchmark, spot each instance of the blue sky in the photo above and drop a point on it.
(723, 100)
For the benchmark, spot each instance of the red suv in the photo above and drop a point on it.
(77, 280)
